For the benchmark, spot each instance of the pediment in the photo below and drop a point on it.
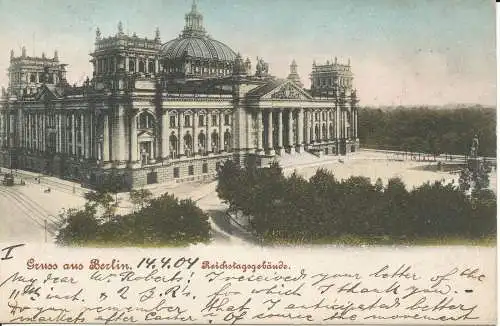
(145, 134)
(287, 91)
(46, 94)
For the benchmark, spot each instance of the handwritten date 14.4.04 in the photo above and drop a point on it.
(168, 262)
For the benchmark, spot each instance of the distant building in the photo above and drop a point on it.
(157, 112)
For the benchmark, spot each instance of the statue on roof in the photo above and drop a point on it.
(120, 28)
(262, 68)
(97, 34)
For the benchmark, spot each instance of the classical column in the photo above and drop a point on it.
(338, 120)
(126, 63)
(221, 132)
(290, 130)
(83, 143)
(73, 134)
(356, 123)
(345, 125)
(300, 130)
(164, 135)
(134, 151)
(37, 132)
(280, 131)
(157, 70)
(328, 136)
(195, 133)
(88, 146)
(308, 127)
(270, 133)
(181, 134)
(105, 140)
(59, 133)
(259, 130)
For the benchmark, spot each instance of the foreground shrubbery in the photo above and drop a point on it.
(323, 209)
(165, 220)
(429, 130)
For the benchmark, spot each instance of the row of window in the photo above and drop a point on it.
(201, 120)
(146, 120)
(204, 170)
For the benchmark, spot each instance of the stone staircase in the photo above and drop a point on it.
(289, 160)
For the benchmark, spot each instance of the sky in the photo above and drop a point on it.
(402, 52)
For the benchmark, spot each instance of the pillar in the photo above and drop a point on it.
(356, 123)
(308, 127)
(83, 143)
(105, 140)
(270, 133)
(73, 134)
(37, 134)
(87, 134)
(221, 132)
(181, 134)
(328, 136)
(280, 131)
(59, 133)
(164, 135)
(259, 130)
(134, 150)
(345, 124)
(337, 127)
(195, 133)
(290, 130)
(126, 63)
(118, 134)
(300, 130)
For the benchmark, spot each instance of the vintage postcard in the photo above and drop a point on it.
(248, 162)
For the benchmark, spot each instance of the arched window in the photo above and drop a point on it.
(188, 144)
(131, 65)
(141, 66)
(227, 141)
(202, 142)
(151, 67)
(146, 121)
(316, 133)
(33, 77)
(215, 141)
(174, 145)
(331, 131)
(324, 131)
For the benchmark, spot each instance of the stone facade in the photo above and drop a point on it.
(142, 122)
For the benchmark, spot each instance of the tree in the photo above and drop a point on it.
(78, 227)
(102, 200)
(140, 198)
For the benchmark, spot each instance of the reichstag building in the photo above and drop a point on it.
(158, 111)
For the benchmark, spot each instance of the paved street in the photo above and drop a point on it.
(24, 209)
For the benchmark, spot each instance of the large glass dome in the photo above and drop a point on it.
(195, 43)
(197, 47)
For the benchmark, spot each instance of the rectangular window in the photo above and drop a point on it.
(187, 121)
(172, 121)
(204, 168)
(191, 170)
(176, 173)
(226, 119)
(214, 120)
(201, 120)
